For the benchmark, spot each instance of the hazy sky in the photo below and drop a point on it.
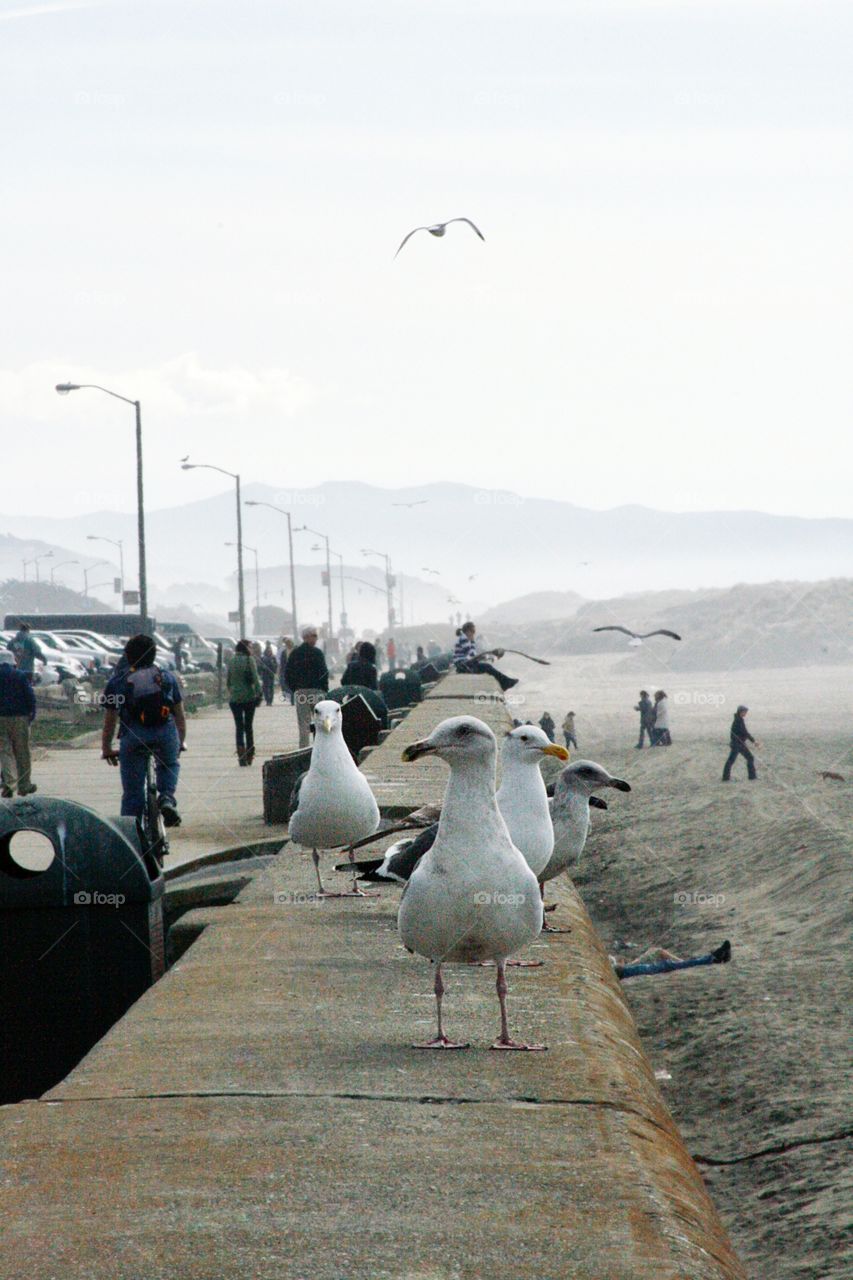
(201, 202)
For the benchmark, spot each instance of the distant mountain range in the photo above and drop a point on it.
(460, 548)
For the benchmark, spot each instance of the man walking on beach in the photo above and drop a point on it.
(17, 711)
(740, 735)
(569, 730)
(307, 677)
(647, 717)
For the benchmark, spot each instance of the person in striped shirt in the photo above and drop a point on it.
(468, 659)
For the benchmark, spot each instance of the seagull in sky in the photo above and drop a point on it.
(420, 502)
(440, 228)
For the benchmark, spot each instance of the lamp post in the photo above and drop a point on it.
(254, 551)
(45, 555)
(307, 529)
(55, 567)
(241, 597)
(86, 573)
(116, 542)
(63, 388)
(281, 511)
(339, 557)
(389, 581)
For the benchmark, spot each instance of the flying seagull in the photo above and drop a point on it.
(639, 636)
(420, 503)
(440, 228)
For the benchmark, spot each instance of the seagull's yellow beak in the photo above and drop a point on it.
(327, 724)
(553, 750)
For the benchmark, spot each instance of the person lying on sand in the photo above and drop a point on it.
(667, 961)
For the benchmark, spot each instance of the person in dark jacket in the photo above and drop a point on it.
(307, 677)
(739, 737)
(546, 724)
(362, 669)
(244, 696)
(647, 717)
(17, 712)
(267, 666)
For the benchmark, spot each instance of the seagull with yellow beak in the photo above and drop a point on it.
(335, 806)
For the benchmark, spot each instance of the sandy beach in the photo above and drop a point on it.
(755, 1052)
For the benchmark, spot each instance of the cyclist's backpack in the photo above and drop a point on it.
(146, 702)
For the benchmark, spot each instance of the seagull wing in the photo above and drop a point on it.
(673, 635)
(409, 236)
(624, 630)
(470, 224)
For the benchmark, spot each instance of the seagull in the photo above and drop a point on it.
(335, 805)
(420, 503)
(522, 800)
(424, 569)
(573, 795)
(440, 228)
(637, 637)
(472, 897)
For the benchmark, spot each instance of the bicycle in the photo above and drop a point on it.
(150, 825)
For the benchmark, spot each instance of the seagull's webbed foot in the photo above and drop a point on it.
(505, 1040)
(441, 1042)
(516, 964)
(553, 928)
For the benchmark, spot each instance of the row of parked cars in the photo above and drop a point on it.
(83, 655)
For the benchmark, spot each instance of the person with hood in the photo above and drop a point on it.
(546, 724)
(739, 736)
(362, 669)
(244, 695)
(647, 718)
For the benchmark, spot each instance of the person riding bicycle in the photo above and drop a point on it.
(145, 703)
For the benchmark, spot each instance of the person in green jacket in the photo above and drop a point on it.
(244, 695)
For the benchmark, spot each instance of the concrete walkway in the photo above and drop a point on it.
(260, 1113)
(221, 804)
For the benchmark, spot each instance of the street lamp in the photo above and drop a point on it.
(338, 556)
(281, 511)
(63, 389)
(116, 542)
(241, 598)
(389, 581)
(306, 529)
(97, 564)
(254, 551)
(45, 555)
(55, 567)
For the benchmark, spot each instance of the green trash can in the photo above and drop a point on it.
(82, 929)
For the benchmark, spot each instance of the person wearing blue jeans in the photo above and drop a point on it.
(668, 963)
(145, 703)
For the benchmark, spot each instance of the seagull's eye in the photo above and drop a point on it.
(524, 738)
(463, 730)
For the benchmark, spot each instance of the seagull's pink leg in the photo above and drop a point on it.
(504, 1041)
(354, 892)
(441, 1041)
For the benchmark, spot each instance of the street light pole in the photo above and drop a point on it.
(63, 389)
(241, 597)
(281, 511)
(114, 542)
(55, 567)
(254, 551)
(45, 555)
(86, 573)
(367, 551)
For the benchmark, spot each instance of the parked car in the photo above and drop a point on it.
(62, 649)
(63, 664)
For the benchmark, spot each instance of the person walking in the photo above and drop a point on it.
(17, 712)
(647, 718)
(739, 737)
(307, 677)
(179, 652)
(391, 653)
(25, 650)
(244, 695)
(661, 736)
(569, 730)
(267, 669)
(146, 704)
(467, 660)
(287, 647)
(546, 724)
(362, 669)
